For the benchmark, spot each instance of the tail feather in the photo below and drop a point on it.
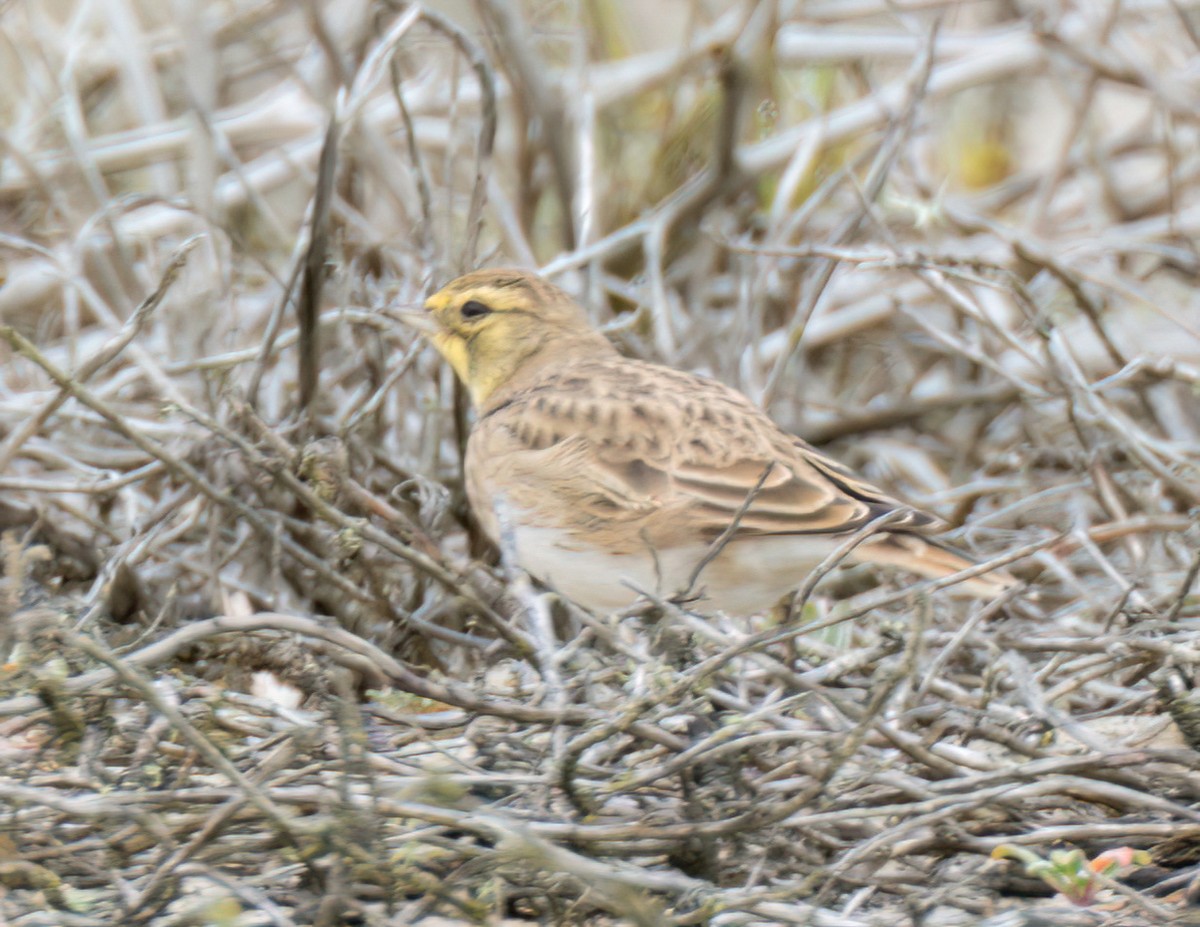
(933, 560)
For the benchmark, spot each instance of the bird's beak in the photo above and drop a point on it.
(419, 319)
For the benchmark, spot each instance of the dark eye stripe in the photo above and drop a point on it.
(473, 309)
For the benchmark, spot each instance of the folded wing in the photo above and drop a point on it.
(667, 463)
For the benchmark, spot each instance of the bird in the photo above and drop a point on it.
(605, 477)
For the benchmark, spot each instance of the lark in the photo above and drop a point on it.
(607, 477)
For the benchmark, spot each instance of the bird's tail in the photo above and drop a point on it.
(933, 560)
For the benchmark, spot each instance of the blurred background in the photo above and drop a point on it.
(932, 229)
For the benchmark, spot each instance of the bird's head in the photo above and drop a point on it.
(494, 325)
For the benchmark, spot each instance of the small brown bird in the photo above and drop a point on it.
(617, 475)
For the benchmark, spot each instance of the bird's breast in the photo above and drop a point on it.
(746, 576)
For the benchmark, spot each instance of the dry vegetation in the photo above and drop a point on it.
(952, 242)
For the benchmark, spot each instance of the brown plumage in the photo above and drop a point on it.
(617, 474)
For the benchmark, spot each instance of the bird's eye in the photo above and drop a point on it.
(473, 309)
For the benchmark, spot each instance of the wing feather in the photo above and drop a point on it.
(667, 457)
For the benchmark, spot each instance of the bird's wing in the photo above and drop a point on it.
(676, 457)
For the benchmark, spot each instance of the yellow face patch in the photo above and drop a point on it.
(453, 347)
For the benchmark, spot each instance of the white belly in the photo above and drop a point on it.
(747, 577)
